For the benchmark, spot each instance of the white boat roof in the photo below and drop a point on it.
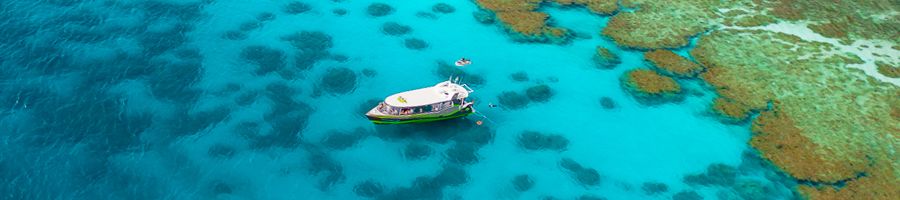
(441, 92)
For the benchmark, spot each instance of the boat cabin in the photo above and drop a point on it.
(442, 96)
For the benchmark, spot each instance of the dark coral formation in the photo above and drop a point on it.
(379, 9)
(539, 93)
(513, 100)
(463, 153)
(654, 188)
(484, 17)
(234, 35)
(305, 60)
(395, 29)
(519, 76)
(443, 8)
(416, 151)
(221, 151)
(532, 140)
(321, 163)
(339, 11)
(309, 40)
(249, 26)
(266, 16)
(605, 59)
(687, 195)
(368, 188)
(522, 182)
(338, 80)
(650, 87)
(607, 103)
(523, 20)
(590, 197)
(887, 70)
(716, 174)
(340, 140)
(731, 111)
(415, 44)
(672, 63)
(296, 7)
(427, 187)
(583, 175)
(266, 58)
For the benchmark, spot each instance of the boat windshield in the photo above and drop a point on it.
(436, 107)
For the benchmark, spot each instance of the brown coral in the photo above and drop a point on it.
(650, 82)
(673, 63)
(604, 7)
(732, 110)
(887, 70)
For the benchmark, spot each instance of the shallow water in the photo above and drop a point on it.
(153, 99)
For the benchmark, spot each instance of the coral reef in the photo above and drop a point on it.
(266, 58)
(368, 188)
(590, 197)
(607, 103)
(395, 29)
(415, 43)
(821, 122)
(583, 175)
(602, 7)
(415, 151)
(296, 7)
(532, 140)
(716, 174)
(309, 40)
(234, 35)
(522, 182)
(513, 100)
(339, 11)
(654, 188)
(605, 59)
(650, 87)
(687, 195)
(658, 25)
(340, 140)
(672, 63)
(539, 93)
(443, 8)
(338, 80)
(379, 9)
(221, 151)
(887, 70)
(484, 17)
(426, 187)
(732, 111)
(519, 76)
(462, 153)
(265, 16)
(525, 24)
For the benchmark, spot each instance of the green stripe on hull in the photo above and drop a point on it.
(422, 120)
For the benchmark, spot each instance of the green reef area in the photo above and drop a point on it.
(817, 80)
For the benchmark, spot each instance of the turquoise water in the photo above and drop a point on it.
(171, 99)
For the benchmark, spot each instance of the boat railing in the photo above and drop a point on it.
(468, 89)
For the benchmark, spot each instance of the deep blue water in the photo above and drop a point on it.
(235, 99)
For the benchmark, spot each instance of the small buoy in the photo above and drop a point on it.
(479, 122)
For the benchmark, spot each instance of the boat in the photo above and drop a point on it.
(446, 100)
